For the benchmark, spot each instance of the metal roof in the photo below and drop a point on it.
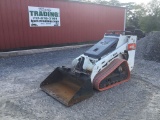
(94, 3)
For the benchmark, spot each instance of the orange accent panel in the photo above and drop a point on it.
(132, 46)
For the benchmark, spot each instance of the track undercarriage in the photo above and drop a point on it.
(116, 73)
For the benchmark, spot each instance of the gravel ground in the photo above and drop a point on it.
(22, 99)
(149, 47)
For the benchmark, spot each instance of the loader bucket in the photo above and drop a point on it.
(67, 87)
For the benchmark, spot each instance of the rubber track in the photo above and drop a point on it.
(107, 71)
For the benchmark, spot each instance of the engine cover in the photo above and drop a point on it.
(103, 47)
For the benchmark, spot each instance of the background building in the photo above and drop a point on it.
(79, 22)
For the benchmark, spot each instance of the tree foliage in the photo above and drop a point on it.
(151, 22)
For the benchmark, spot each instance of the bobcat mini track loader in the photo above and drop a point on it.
(105, 65)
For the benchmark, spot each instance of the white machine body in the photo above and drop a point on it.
(105, 51)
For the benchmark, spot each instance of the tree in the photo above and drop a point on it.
(114, 3)
(151, 22)
(154, 8)
(134, 14)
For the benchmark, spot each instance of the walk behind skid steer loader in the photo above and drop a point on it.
(105, 65)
